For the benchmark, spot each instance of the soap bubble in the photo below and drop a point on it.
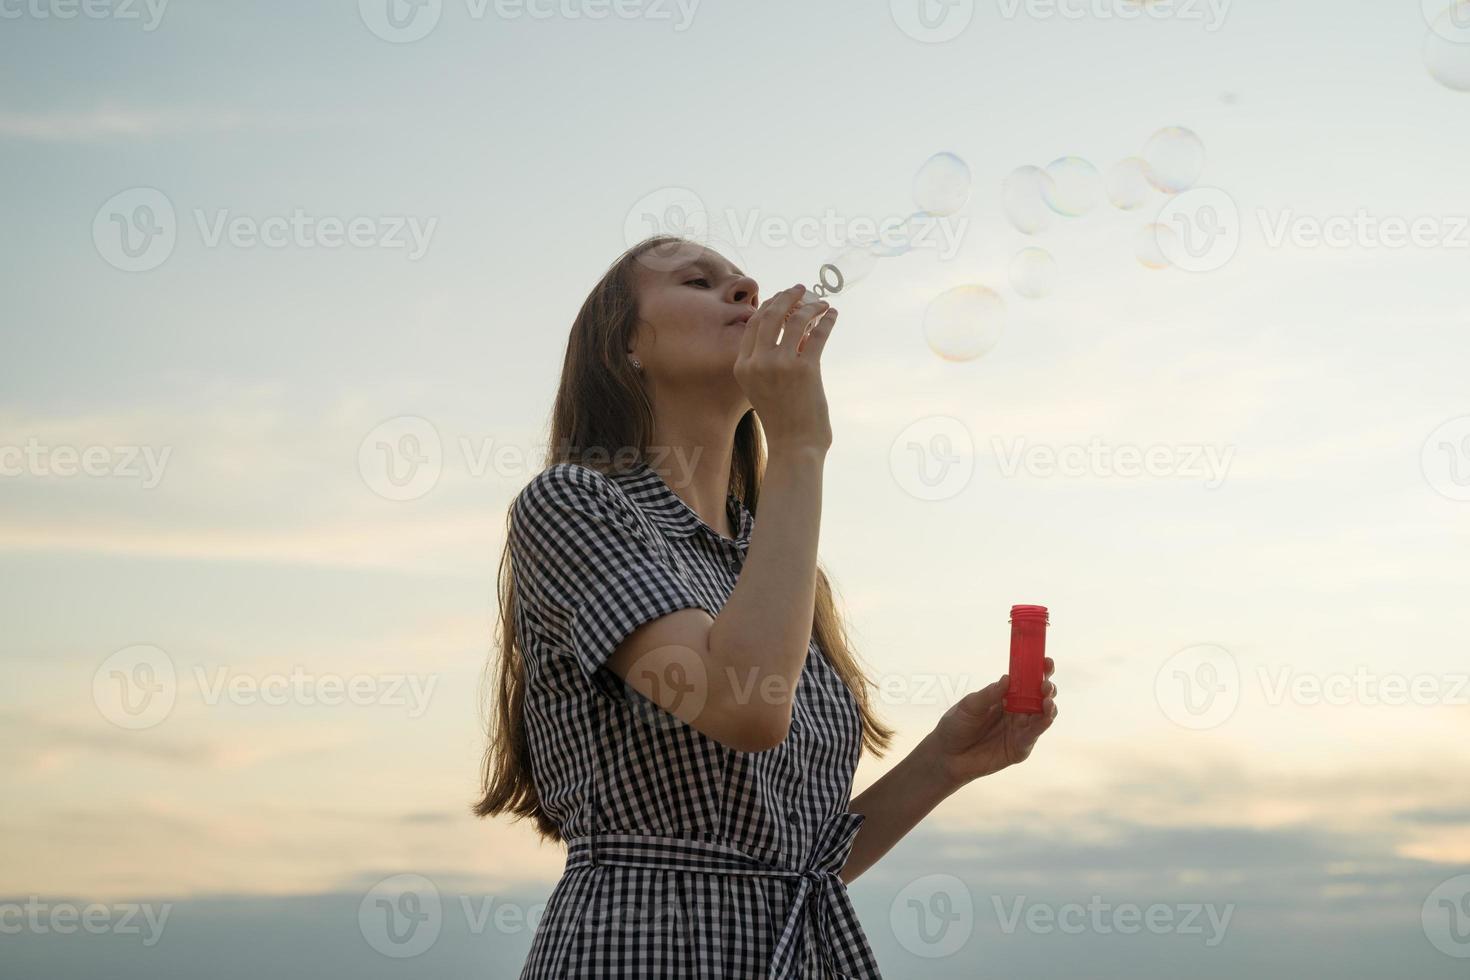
(942, 185)
(1447, 48)
(854, 262)
(1023, 196)
(1033, 272)
(1154, 244)
(1127, 184)
(1074, 187)
(1176, 158)
(962, 323)
(1450, 29)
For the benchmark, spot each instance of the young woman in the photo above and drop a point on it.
(676, 700)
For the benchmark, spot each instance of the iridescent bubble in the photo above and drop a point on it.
(942, 185)
(963, 323)
(1075, 186)
(1154, 244)
(854, 262)
(1447, 48)
(1033, 272)
(1023, 197)
(1175, 157)
(1127, 184)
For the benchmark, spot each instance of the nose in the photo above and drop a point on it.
(744, 290)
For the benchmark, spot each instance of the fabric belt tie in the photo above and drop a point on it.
(821, 912)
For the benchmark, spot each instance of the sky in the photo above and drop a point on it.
(260, 258)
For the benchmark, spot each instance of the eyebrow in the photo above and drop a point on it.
(708, 266)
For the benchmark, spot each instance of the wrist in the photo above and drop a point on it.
(935, 769)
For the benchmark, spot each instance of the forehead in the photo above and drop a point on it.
(702, 260)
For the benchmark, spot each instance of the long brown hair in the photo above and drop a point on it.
(601, 406)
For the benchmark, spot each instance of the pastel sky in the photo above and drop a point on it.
(1260, 641)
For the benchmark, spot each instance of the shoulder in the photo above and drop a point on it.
(570, 487)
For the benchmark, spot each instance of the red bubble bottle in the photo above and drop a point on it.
(1028, 648)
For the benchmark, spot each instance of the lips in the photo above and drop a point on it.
(742, 319)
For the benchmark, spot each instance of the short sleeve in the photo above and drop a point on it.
(586, 572)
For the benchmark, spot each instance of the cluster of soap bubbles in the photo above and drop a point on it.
(1169, 163)
(1447, 47)
(941, 187)
(965, 322)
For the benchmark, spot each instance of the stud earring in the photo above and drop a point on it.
(637, 364)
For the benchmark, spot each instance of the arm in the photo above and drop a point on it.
(976, 737)
(895, 804)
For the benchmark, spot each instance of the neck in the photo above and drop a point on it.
(692, 450)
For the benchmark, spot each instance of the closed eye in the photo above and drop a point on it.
(700, 279)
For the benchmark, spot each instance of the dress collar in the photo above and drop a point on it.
(666, 508)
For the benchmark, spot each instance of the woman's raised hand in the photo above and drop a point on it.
(782, 377)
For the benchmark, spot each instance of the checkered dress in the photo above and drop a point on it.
(685, 858)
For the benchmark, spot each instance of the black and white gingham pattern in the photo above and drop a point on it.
(685, 858)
